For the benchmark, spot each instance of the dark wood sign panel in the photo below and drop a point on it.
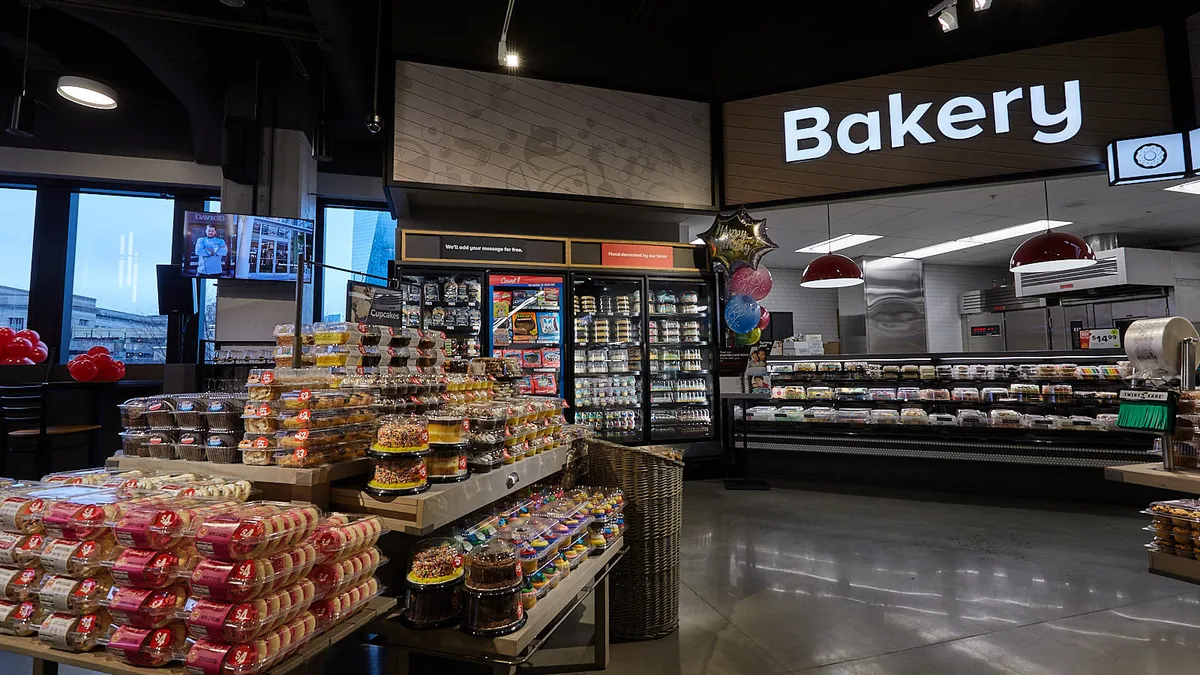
(1123, 87)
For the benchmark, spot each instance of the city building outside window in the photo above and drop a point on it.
(363, 240)
(16, 256)
(119, 240)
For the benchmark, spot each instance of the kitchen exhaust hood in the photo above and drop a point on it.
(1115, 268)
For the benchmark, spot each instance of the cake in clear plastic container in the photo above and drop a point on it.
(492, 614)
(436, 561)
(399, 433)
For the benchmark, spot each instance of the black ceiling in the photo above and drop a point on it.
(177, 80)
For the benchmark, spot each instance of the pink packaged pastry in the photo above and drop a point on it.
(255, 529)
(245, 621)
(145, 607)
(148, 568)
(341, 535)
(162, 526)
(147, 647)
(248, 579)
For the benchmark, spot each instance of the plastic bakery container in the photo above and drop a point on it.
(145, 607)
(246, 621)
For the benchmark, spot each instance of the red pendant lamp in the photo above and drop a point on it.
(1051, 251)
(831, 270)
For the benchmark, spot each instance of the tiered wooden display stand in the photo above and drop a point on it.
(308, 660)
(1180, 480)
(273, 482)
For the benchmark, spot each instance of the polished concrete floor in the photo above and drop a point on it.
(824, 583)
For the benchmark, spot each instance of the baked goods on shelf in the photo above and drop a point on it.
(436, 561)
(492, 614)
(493, 566)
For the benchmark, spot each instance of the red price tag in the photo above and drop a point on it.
(263, 410)
(305, 395)
(305, 415)
(362, 328)
(302, 435)
(301, 453)
(268, 377)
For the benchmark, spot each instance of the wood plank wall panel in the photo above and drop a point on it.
(474, 129)
(1123, 88)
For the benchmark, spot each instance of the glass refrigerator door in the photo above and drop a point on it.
(451, 303)
(526, 324)
(607, 357)
(681, 360)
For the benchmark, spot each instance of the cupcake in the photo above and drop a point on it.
(561, 530)
(539, 544)
(529, 558)
(597, 540)
(571, 553)
(538, 580)
(579, 548)
(528, 597)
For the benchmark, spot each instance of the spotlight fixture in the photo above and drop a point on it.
(86, 92)
(947, 14)
(980, 5)
(20, 123)
(507, 59)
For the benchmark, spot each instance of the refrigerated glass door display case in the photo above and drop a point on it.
(608, 330)
(526, 319)
(449, 301)
(680, 357)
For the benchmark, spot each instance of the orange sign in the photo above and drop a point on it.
(637, 255)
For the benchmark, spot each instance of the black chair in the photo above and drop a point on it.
(23, 417)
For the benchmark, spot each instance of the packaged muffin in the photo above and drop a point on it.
(447, 463)
(435, 561)
(160, 443)
(246, 621)
(160, 412)
(147, 647)
(146, 607)
(132, 441)
(74, 633)
(19, 584)
(255, 529)
(20, 618)
(64, 594)
(222, 449)
(133, 414)
(224, 413)
(402, 474)
(20, 550)
(492, 614)
(494, 565)
(191, 445)
(189, 412)
(398, 434)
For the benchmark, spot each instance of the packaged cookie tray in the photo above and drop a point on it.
(245, 621)
(323, 399)
(21, 618)
(249, 579)
(162, 525)
(332, 610)
(1177, 512)
(255, 529)
(146, 647)
(333, 578)
(72, 633)
(68, 513)
(147, 568)
(20, 550)
(303, 457)
(264, 418)
(339, 535)
(60, 593)
(145, 607)
(209, 657)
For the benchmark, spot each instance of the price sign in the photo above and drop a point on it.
(1100, 338)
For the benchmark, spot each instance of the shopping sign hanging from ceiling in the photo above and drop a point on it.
(810, 134)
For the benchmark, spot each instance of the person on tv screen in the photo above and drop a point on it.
(211, 250)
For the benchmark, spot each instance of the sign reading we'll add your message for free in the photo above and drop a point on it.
(1043, 109)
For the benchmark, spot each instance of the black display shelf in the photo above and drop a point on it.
(793, 378)
(627, 372)
(607, 315)
(677, 344)
(896, 403)
(680, 405)
(690, 315)
(593, 408)
(606, 345)
(679, 373)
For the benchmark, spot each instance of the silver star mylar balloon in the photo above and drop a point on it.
(737, 239)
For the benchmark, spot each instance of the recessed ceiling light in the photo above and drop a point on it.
(1192, 188)
(1016, 231)
(938, 249)
(838, 243)
(85, 92)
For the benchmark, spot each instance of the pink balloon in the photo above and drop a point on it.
(764, 319)
(754, 282)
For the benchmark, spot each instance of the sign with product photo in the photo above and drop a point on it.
(378, 305)
(1100, 338)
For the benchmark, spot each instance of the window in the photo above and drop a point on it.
(208, 291)
(363, 240)
(119, 239)
(16, 255)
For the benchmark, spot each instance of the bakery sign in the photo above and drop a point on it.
(810, 134)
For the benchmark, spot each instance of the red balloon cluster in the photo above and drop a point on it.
(96, 365)
(21, 348)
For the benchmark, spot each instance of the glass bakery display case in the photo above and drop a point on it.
(608, 333)
(450, 301)
(526, 319)
(1037, 407)
(679, 348)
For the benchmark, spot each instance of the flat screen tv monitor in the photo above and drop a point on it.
(231, 246)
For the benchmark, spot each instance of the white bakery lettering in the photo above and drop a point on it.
(957, 119)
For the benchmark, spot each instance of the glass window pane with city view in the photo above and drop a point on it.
(119, 239)
(16, 221)
(362, 240)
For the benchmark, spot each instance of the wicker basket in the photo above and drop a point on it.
(645, 600)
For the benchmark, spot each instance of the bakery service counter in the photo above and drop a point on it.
(1045, 408)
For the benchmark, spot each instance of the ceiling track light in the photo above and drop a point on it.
(87, 92)
(981, 5)
(947, 14)
(507, 59)
(20, 121)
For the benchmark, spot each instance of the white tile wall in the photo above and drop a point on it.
(943, 285)
(813, 311)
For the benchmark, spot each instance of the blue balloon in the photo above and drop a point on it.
(742, 314)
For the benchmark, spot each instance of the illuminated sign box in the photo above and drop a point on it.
(1151, 158)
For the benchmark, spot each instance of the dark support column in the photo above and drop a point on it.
(1182, 69)
(183, 330)
(53, 269)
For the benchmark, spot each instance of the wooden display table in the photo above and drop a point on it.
(273, 482)
(505, 653)
(1153, 475)
(1180, 480)
(310, 658)
(447, 502)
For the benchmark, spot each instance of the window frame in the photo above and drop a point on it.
(319, 243)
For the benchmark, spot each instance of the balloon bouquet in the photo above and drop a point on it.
(738, 242)
(96, 365)
(21, 348)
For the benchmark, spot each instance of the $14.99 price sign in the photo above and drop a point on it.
(1100, 338)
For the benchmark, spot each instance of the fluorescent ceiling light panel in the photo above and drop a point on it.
(1192, 188)
(938, 249)
(838, 243)
(1016, 231)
